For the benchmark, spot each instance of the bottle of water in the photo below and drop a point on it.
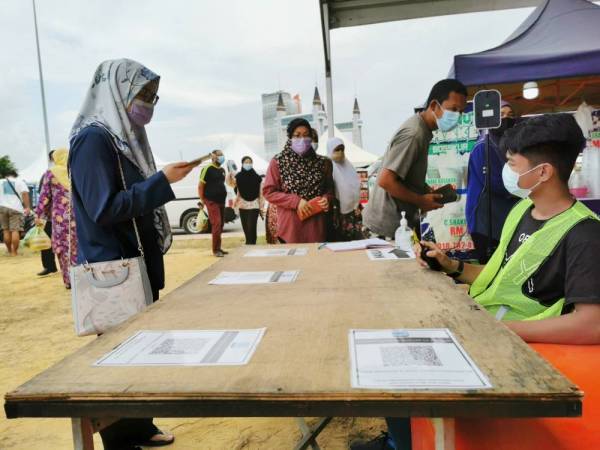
(403, 235)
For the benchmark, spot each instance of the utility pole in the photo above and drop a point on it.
(39, 58)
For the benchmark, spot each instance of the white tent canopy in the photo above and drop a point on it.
(34, 171)
(237, 149)
(356, 155)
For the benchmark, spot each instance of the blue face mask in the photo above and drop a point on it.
(448, 121)
(247, 166)
(220, 159)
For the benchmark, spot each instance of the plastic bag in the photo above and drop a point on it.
(201, 221)
(36, 239)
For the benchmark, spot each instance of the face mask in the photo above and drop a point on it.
(301, 145)
(220, 159)
(247, 166)
(511, 181)
(506, 124)
(448, 121)
(141, 112)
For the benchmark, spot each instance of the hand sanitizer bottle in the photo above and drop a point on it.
(403, 235)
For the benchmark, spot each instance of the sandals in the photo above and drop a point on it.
(160, 439)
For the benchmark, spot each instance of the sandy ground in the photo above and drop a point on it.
(36, 332)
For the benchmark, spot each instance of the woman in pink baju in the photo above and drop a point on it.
(294, 177)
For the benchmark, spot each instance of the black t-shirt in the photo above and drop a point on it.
(570, 272)
(214, 183)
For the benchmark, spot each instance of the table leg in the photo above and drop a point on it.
(444, 433)
(309, 435)
(83, 433)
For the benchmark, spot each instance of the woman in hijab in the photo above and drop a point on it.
(249, 198)
(294, 177)
(107, 137)
(53, 205)
(347, 215)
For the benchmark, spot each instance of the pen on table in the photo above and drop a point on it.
(322, 245)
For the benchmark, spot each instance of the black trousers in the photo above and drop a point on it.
(124, 434)
(48, 261)
(481, 242)
(249, 219)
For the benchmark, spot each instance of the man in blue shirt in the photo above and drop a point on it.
(477, 199)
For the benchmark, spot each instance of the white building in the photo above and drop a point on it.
(277, 115)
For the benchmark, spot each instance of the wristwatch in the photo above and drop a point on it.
(459, 270)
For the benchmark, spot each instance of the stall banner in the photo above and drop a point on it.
(448, 161)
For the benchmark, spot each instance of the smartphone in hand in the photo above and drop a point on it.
(448, 194)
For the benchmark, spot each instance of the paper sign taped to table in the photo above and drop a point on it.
(267, 252)
(389, 254)
(226, 278)
(185, 348)
(412, 359)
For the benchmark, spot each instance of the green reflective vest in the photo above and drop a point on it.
(499, 289)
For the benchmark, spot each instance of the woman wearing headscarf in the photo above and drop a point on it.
(249, 198)
(107, 137)
(54, 206)
(295, 176)
(347, 210)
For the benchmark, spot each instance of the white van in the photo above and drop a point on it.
(183, 211)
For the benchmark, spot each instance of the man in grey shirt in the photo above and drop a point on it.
(401, 181)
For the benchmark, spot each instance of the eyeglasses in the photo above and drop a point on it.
(148, 97)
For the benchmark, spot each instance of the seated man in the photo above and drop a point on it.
(543, 280)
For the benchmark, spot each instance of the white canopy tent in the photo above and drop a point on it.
(34, 171)
(237, 149)
(348, 13)
(356, 155)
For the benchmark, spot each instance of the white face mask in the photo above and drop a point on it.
(511, 181)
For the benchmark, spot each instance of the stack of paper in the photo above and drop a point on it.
(268, 252)
(357, 245)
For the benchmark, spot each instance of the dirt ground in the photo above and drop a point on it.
(36, 331)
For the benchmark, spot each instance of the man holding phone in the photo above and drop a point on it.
(401, 182)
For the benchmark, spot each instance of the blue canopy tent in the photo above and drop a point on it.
(557, 46)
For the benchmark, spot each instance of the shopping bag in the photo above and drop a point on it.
(36, 239)
(201, 221)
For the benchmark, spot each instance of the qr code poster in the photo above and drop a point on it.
(412, 359)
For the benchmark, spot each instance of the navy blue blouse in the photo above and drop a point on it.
(104, 211)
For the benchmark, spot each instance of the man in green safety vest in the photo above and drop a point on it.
(543, 280)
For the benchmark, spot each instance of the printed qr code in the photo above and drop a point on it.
(419, 355)
(179, 347)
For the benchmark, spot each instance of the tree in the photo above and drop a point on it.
(7, 167)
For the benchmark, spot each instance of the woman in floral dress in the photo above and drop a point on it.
(54, 204)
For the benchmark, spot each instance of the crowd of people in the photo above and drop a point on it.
(103, 200)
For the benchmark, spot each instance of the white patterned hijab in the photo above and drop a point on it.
(345, 179)
(115, 84)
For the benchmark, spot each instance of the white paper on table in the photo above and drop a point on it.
(270, 277)
(389, 254)
(362, 244)
(266, 252)
(185, 348)
(409, 359)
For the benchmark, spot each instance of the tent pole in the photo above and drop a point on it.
(488, 191)
(327, 52)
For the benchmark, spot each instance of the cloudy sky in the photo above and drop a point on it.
(215, 59)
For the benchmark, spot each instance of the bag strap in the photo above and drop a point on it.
(15, 191)
(135, 228)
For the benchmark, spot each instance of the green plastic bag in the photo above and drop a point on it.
(36, 239)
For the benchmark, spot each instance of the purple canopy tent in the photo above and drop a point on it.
(558, 46)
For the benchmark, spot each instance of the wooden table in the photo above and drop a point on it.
(301, 368)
